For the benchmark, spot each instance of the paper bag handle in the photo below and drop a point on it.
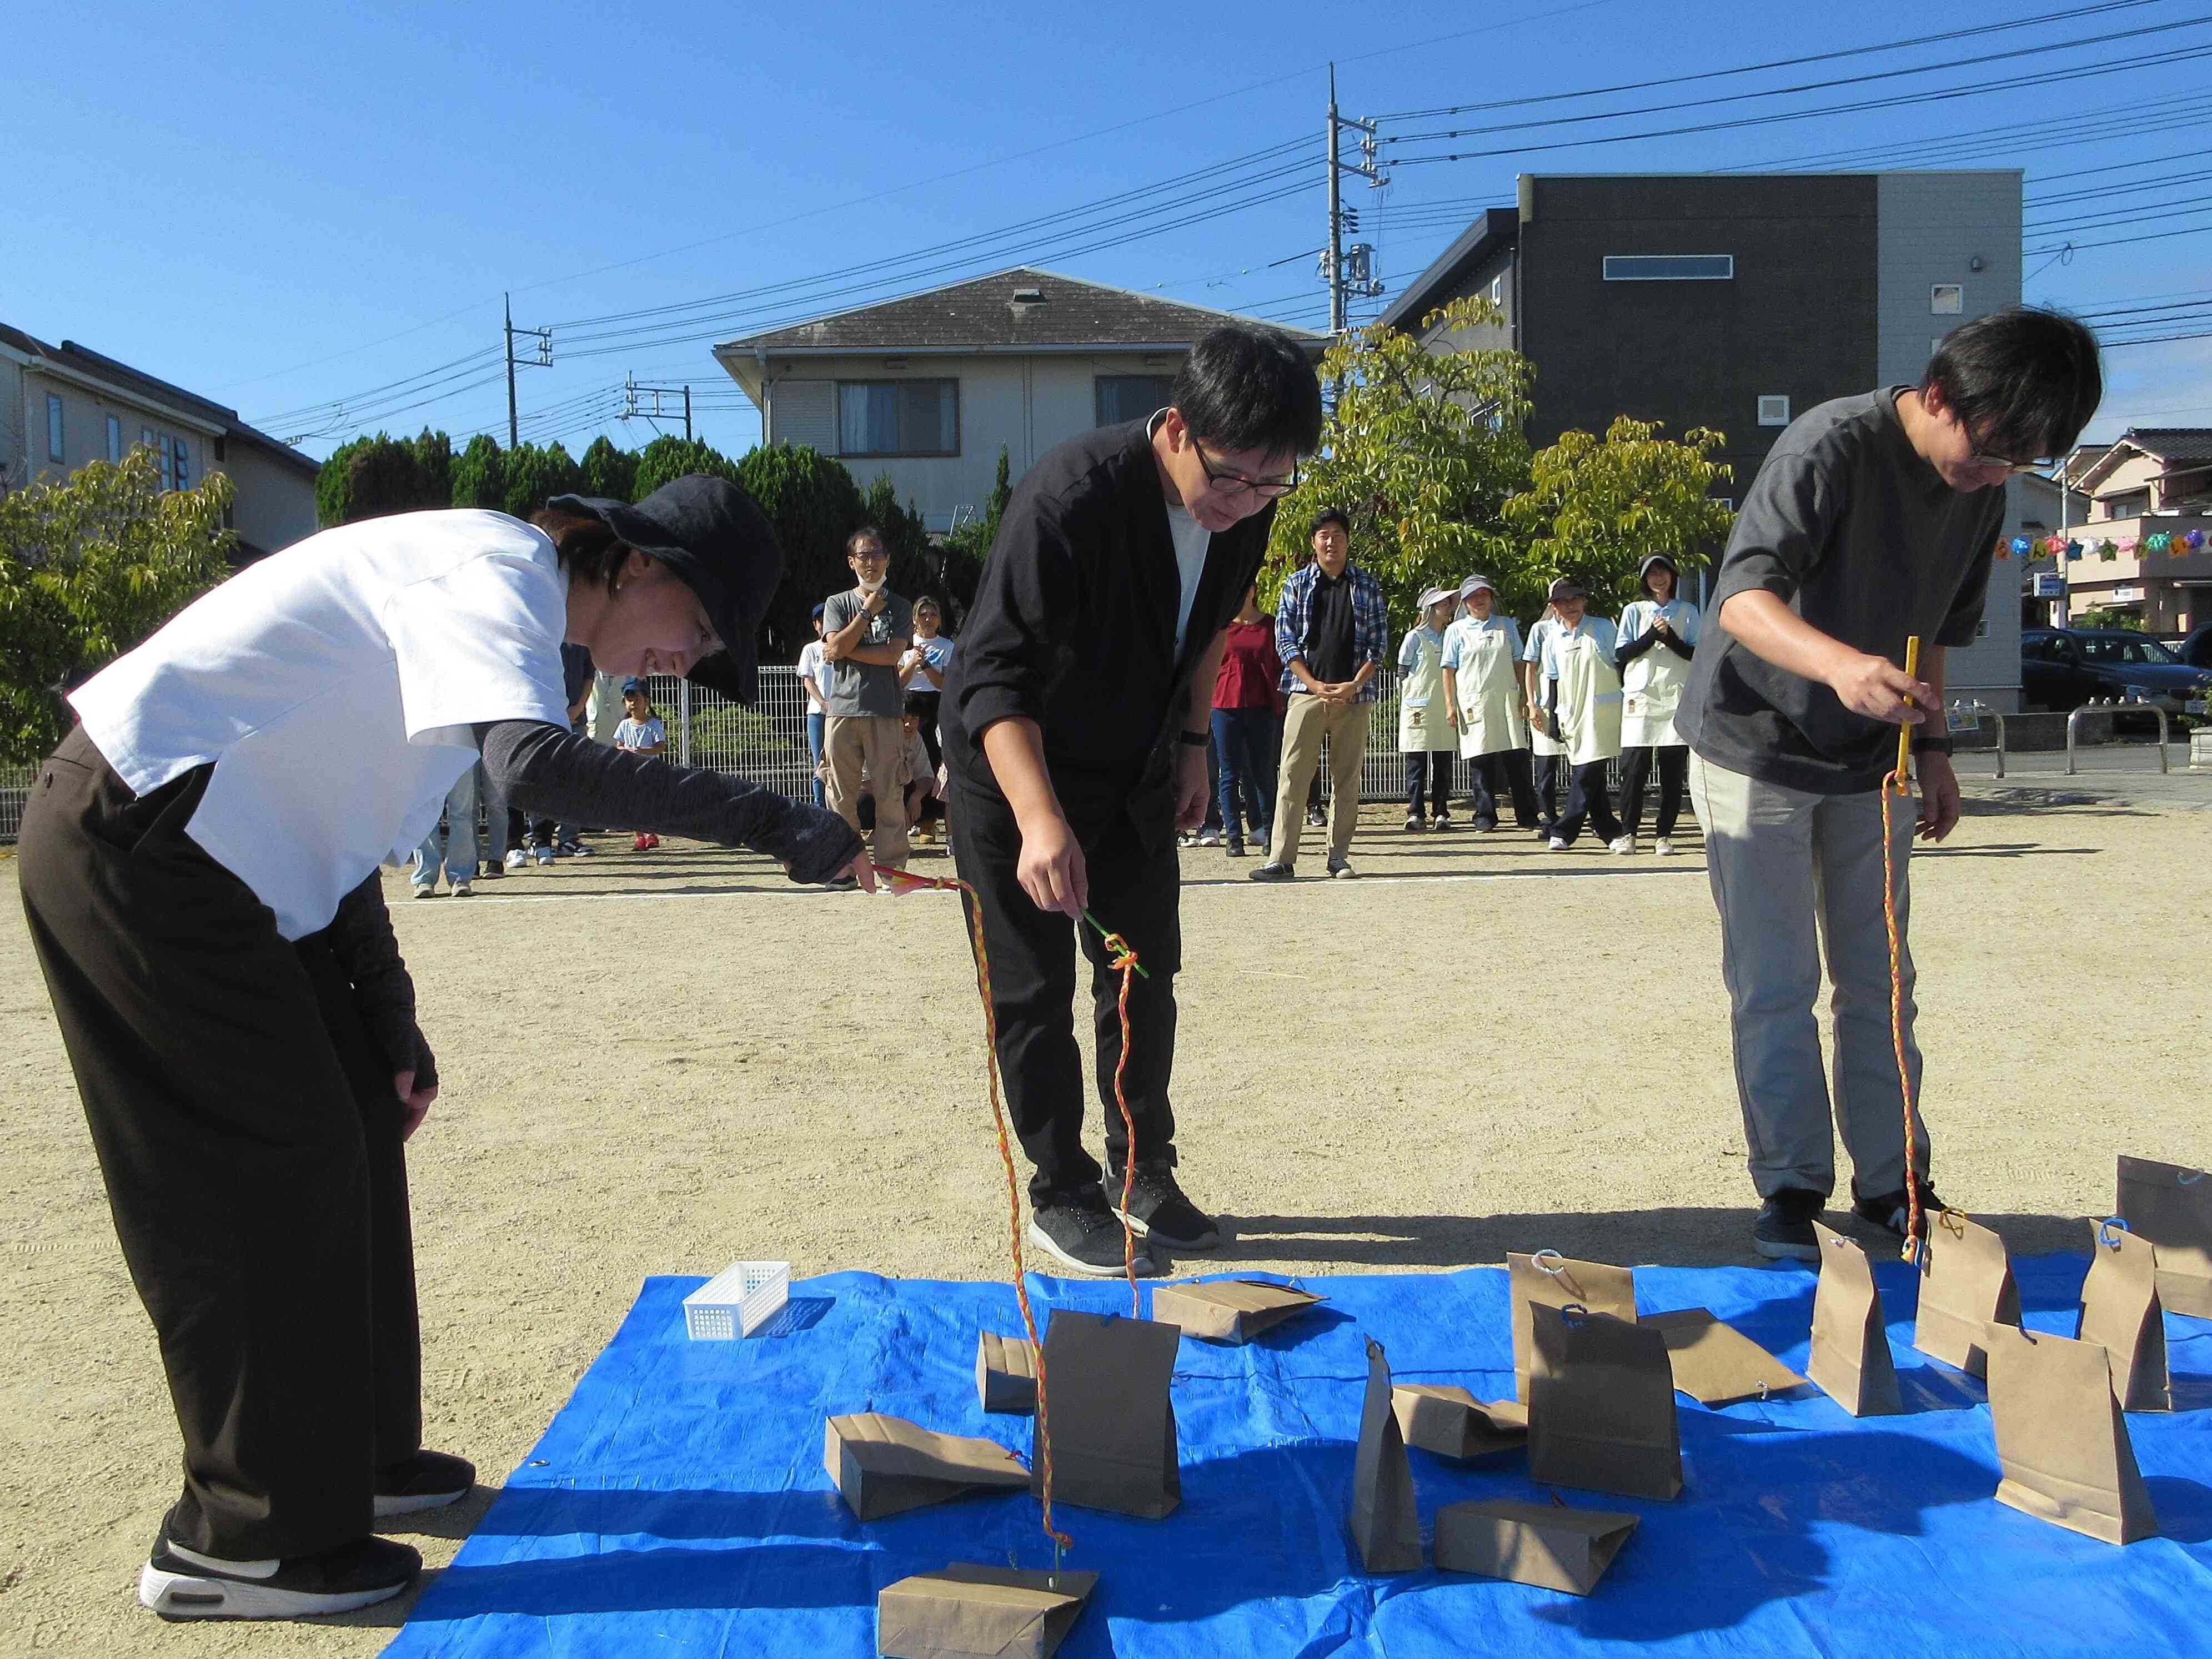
(1557, 1267)
(2109, 1229)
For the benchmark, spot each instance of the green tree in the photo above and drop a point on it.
(917, 565)
(966, 549)
(1421, 451)
(433, 454)
(371, 477)
(88, 567)
(813, 504)
(609, 473)
(534, 475)
(1598, 507)
(480, 475)
(669, 458)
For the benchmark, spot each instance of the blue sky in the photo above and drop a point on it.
(290, 208)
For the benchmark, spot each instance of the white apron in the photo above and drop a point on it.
(1422, 727)
(1589, 702)
(1651, 690)
(1489, 684)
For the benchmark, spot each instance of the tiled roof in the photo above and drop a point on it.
(984, 314)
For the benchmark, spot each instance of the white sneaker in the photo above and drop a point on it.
(1622, 844)
(542, 855)
(430, 891)
(463, 889)
(1211, 838)
(1559, 843)
(1664, 848)
(517, 858)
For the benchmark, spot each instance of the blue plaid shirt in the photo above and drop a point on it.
(1370, 625)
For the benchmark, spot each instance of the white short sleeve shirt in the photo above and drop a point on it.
(333, 686)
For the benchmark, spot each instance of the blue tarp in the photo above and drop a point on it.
(677, 1504)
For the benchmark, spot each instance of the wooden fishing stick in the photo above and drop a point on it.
(1905, 729)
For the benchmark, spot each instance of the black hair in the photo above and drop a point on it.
(586, 547)
(917, 704)
(2024, 382)
(866, 532)
(1244, 388)
(1329, 515)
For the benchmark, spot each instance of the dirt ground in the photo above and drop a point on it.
(660, 1063)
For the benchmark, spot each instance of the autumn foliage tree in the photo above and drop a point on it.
(1597, 507)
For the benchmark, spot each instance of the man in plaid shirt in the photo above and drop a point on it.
(1331, 629)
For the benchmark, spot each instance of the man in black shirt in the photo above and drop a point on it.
(1075, 714)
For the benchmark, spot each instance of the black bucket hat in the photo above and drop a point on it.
(714, 536)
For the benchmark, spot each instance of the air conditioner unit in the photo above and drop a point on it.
(1773, 409)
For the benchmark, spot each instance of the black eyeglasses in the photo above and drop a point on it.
(1982, 458)
(1236, 484)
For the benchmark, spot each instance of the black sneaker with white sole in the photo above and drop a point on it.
(1891, 1210)
(1783, 1231)
(178, 1583)
(1159, 1210)
(1079, 1231)
(426, 1480)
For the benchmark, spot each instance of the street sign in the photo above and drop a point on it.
(2049, 585)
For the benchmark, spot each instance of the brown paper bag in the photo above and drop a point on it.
(1112, 1425)
(1965, 1284)
(1229, 1309)
(1715, 1364)
(2171, 1207)
(1005, 1374)
(1548, 1280)
(1601, 1406)
(1850, 1356)
(885, 1465)
(1452, 1423)
(1383, 1522)
(968, 1611)
(2120, 1312)
(1546, 1545)
(2062, 1443)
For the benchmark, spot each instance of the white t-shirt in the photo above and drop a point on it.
(1191, 540)
(814, 665)
(332, 685)
(937, 650)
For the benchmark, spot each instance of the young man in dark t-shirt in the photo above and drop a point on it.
(1075, 714)
(1872, 520)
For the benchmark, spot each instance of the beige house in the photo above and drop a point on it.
(2148, 491)
(61, 406)
(930, 386)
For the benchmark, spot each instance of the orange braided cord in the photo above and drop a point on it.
(1897, 781)
(1126, 959)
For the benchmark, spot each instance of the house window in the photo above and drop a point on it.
(1669, 267)
(53, 426)
(1130, 397)
(1497, 290)
(1773, 410)
(1945, 300)
(181, 476)
(114, 439)
(898, 418)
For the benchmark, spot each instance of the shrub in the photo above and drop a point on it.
(480, 475)
(534, 476)
(609, 472)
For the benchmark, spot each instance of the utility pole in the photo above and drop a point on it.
(632, 391)
(542, 360)
(1347, 271)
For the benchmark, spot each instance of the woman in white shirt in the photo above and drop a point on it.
(199, 868)
(922, 672)
(816, 672)
(1658, 638)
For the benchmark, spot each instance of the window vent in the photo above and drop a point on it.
(1029, 297)
(1946, 299)
(1669, 267)
(1773, 410)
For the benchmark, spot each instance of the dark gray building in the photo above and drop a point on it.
(1734, 302)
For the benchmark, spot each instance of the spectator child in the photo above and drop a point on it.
(1425, 737)
(1658, 638)
(814, 676)
(924, 794)
(640, 732)
(922, 670)
(1482, 699)
(1248, 723)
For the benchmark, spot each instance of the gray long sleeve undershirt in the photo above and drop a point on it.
(545, 770)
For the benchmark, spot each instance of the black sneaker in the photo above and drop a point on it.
(1082, 1235)
(1236, 847)
(1272, 870)
(1159, 1210)
(1890, 1211)
(1783, 1231)
(841, 884)
(1341, 870)
(1316, 818)
(427, 1480)
(1440, 822)
(1483, 826)
(181, 1584)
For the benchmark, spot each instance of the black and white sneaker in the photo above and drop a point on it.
(1159, 1210)
(1341, 870)
(1315, 818)
(1783, 1231)
(1272, 870)
(1891, 1210)
(427, 1480)
(1079, 1232)
(178, 1583)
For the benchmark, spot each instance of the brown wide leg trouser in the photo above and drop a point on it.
(249, 1139)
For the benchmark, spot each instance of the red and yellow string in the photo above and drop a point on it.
(1898, 783)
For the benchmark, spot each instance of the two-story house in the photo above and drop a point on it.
(2146, 545)
(929, 387)
(61, 406)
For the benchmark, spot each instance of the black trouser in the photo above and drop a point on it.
(1546, 787)
(1587, 799)
(927, 714)
(1635, 773)
(1136, 890)
(249, 1139)
(1502, 771)
(1429, 772)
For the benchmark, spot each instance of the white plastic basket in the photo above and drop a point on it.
(736, 1301)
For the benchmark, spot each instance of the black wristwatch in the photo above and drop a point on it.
(1943, 745)
(1191, 740)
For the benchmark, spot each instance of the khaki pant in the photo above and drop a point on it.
(878, 743)
(1309, 720)
(1793, 873)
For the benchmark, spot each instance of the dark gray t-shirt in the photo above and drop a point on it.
(865, 688)
(1866, 541)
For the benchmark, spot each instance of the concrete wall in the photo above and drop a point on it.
(276, 504)
(1934, 227)
(1028, 403)
(85, 413)
(15, 434)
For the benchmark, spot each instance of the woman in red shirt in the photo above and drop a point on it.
(1247, 723)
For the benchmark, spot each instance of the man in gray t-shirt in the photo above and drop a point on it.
(1872, 521)
(864, 634)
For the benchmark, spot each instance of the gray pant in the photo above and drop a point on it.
(1793, 873)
